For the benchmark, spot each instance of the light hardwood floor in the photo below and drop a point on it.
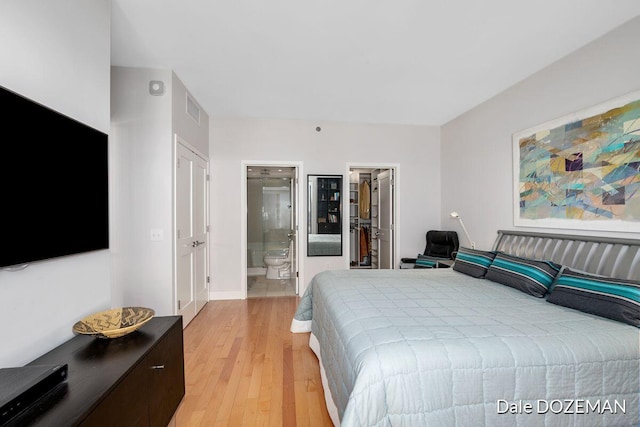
(243, 367)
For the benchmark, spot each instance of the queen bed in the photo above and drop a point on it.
(484, 342)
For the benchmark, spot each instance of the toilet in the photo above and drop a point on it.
(278, 262)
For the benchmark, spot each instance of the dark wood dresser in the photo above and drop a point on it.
(135, 380)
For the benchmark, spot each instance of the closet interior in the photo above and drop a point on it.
(363, 218)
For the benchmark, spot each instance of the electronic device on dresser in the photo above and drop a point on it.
(54, 183)
(29, 390)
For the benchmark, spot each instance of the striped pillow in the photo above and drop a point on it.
(530, 276)
(424, 261)
(603, 296)
(473, 262)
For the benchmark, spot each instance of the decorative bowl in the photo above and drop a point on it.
(114, 323)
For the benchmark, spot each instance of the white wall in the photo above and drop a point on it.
(57, 53)
(476, 147)
(416, 149)
(194, 133)
(142, 146)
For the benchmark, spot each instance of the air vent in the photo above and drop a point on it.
(193, 109)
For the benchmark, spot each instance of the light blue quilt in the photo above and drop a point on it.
(438, 348)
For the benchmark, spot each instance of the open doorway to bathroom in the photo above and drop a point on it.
(271, 230)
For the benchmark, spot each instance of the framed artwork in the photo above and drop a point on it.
(581, 171)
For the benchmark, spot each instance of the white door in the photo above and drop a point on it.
(293, 236)
(191, 216)
(200, 224)
(385, 219)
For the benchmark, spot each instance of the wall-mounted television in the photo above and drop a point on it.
(53, 183)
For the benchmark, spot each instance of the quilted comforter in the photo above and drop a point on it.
(437, 347)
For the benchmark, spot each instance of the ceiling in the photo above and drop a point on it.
(420, 62)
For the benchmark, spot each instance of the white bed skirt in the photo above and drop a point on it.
(300, 326)
(331, 407)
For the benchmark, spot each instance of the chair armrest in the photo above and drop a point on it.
(445, 263)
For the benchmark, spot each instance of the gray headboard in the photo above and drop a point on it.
(612, 257)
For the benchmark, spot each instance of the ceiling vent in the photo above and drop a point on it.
(193, 109)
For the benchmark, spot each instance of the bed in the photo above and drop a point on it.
(442, 347)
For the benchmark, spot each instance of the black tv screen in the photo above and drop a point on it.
(53, 183)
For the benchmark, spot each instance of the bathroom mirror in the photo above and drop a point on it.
(324, 215)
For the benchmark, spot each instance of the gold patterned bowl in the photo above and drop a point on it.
(114, 323)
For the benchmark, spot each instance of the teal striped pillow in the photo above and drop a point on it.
(533, 277)
(424, 261)
(603, 296)
(473, 262)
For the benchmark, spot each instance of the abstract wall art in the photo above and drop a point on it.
(581, 171)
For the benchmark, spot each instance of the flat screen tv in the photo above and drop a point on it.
(53, 183)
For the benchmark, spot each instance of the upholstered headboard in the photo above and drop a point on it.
(612, 257)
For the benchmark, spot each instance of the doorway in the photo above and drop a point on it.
(271, 230)
(372, 216)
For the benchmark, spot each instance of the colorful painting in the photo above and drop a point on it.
(581, 171)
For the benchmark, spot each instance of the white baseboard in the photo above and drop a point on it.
(223, 295)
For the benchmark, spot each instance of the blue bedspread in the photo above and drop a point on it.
(436, 347)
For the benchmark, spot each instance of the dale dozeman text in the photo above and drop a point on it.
(562, 406)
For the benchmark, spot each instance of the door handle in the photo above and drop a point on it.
(290, 235)
(196, 244)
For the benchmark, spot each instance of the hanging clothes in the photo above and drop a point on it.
(364, 243)
(365, 200)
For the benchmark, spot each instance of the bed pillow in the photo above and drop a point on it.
(473, 262)
(424, 261)
(533, 277)
(603, 296)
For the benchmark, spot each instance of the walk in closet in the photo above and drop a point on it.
(371, 210)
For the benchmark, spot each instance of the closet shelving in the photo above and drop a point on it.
(374, 219)
(354, 224)
(361, 220)
(371, 217)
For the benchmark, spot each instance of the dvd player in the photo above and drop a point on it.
(21, 388)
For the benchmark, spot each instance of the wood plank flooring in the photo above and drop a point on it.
(243, 368)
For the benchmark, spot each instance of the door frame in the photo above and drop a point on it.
(178, 140)
(395, 201)
(243, 208)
